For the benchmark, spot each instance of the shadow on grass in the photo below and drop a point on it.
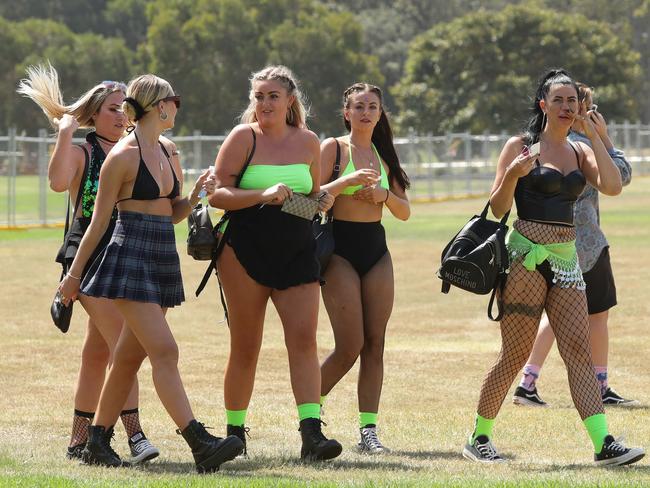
(636, 468)
(259, 463)
(428, 455)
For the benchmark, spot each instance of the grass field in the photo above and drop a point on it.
(438, 349)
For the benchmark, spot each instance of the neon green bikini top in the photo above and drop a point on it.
(349, 190)
(262, 176)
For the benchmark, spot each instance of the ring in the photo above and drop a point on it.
(63, 299)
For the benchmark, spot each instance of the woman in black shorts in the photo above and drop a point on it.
(140, 271)
(359, 288)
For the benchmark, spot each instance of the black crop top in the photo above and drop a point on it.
(546, 195)
(145, 186)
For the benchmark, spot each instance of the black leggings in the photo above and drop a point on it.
(362, 244)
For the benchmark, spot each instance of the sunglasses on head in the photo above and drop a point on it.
(173, 98)
(114, 84)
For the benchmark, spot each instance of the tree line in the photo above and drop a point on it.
(464, 65)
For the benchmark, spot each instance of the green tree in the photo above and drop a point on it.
(208, 49)
(82, 60)
(479, 72)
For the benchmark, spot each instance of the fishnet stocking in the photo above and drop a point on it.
(80, 423)
(131, 421)
(525, 296)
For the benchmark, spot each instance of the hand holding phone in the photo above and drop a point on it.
(534, 150)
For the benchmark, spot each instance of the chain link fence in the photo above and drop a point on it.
(440, 167)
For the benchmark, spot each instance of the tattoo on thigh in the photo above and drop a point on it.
(523, 309)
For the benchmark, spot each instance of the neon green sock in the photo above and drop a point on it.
(482, 426)
(236, 417)
(309, 411)
(322, 399)
(366, 418)
(597, 429)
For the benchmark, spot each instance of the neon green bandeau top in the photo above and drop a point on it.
(262, 176)
(349, 190)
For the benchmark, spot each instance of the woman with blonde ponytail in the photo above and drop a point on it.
(139, 270)
(75, 168)
(270, 254)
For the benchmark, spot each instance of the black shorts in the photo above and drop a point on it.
(601, 288)
(362, 244)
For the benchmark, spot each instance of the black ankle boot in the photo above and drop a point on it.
(315, 446)
(210, 451)
(241, 432)
(98, 449)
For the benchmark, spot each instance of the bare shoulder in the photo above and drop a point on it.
(241, 134)
(515, 143)
(308, 138)
(124, 153)
(169, 145)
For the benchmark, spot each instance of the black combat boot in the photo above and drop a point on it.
(98, 449)
(210, 451)
(315, 446)
(241, 432)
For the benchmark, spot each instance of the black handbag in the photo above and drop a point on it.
(322, 225)
(476, 259)
(201, 239)
(62, 314)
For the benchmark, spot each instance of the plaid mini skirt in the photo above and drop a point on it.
(140, 262)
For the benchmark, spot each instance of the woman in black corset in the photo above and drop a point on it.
(545, 181)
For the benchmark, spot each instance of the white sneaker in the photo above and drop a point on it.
(141, 449)
(370, 443)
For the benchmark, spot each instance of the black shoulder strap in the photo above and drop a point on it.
(76, 205)
(224, 236)
(573, 146)
(248, 160)
(337, 162)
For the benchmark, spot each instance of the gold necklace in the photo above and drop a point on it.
(365, 158)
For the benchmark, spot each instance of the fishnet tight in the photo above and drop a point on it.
(131, 422)
(525, 296)
(80, 423)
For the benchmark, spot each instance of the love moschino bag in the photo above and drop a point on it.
(476, 259)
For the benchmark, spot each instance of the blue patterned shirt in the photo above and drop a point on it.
(590, 239)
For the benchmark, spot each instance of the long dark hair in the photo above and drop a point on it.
(535, 125)
(382, 135)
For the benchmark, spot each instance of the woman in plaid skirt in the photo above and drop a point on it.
(140, 270)
(75, 169)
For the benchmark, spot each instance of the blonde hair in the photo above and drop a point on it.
(145, 91)
(584, 92)
(42, 86)
(298, 111)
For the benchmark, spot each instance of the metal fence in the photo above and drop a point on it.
(446, 166)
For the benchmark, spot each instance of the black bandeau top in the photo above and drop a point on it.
(145, 186)
(546, 195)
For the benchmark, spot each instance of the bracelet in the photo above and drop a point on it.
(78, 278)
(387, 195)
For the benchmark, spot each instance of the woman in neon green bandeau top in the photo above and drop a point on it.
(358, 293)
(271, 254)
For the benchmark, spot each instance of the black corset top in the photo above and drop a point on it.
(547, 195)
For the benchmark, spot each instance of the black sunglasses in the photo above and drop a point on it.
(174, 98)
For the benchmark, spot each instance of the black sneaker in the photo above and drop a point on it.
(529, 398)
(610, 397)
(483, 451)
(615, 453)
(74, 452)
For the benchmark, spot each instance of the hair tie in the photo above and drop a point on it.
(139, 111)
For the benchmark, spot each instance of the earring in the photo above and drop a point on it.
(289, 116)
(543, 122)
(163, 116)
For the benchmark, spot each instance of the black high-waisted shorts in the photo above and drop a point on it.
(362, 244)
